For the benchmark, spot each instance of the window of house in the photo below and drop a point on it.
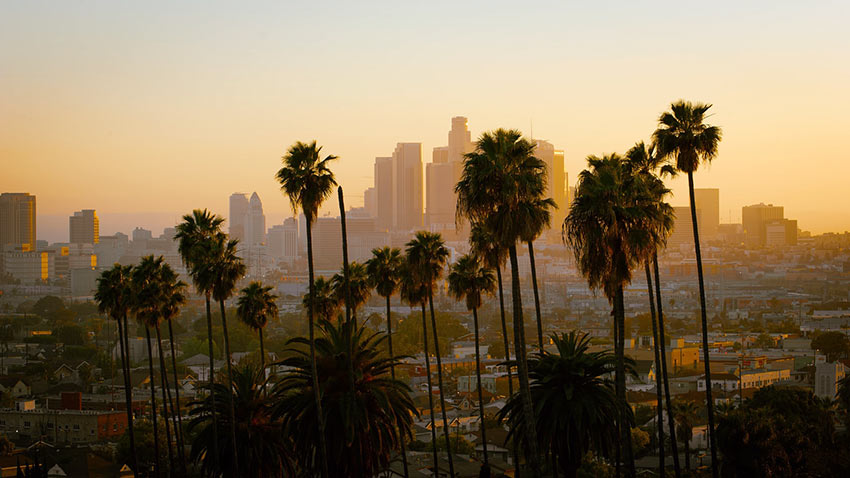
(76, 428)
(27, 424)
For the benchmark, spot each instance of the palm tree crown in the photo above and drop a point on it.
(684, 137)
(323, 300)
(427, 256)
(113, 294)
(384, 270)
(305, 178)
(359, 284)
(195, 237)
(470, 281)
(256, 305)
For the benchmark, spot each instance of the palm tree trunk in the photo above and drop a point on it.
(345, 260)
(478, 378)
(708, 400)
(536, 295)
(181, 449)
(128, 396)
(674, 446)
(659, 424)
(617, 446)
(153, 406)
(430, 391)
(687, 444)
(317, 395)
(166, 400)
(625, 429)
(262, 356)
(440, 384)
(392, 374)
(507, 353)
(236, 469)
(530, 433)
(212, 383)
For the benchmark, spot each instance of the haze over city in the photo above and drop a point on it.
(145, 112)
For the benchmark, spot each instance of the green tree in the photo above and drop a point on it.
(834, 345)
(322, 300)
(255, 306)
(307, 181)
(366, 419)
(114, 298)
(686, 414)
(611, 229)
(499, 180)
(577, 406)
(683, 136)
(149, 452)
(470, 281)
(360, 287)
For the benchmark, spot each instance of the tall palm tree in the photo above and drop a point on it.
(196, 236)
(683, 136)
(469, 280)
(536, 216)
(265, 451)
(413, 291)
(360, 287)
(426, 257)
(644, 162)
(307, 181)
(499, 178)
(226, 268)
(368, 418)
(322, 301)
(687, 414)
(113, 297)
(255, 306)
(384, 272)
(578, 409)
(611, 229)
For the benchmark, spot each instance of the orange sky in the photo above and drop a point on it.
(147, 109)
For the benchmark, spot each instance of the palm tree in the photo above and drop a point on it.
(536, 216)
(427, 256)
(113, 297)
(307, 181)
(683, 136)
(384, 273)
(263, 449)
(686, 413)
(611, 229)
(326, 304)
(469, 280)
(578, 409)
(196, 237)
(360, 287)
(226, 268)
(255, 306)
(643, 161)
(368, 418)
(499, 178)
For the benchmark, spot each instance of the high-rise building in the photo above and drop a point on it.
(384, 194)
(443, 173)
(460, 142)
(556, 181)
(17, 220)
(254, 223)
(142, 235)
(755, 219)
(407, 186)
(708, 201)
(239, 206)
(282, 240)
(781, 232)
(370, 201)
(683, 227)
(84, 227)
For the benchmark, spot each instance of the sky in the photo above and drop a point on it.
(146, 110)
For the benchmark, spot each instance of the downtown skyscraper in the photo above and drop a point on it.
(398, 189)
(17, 220)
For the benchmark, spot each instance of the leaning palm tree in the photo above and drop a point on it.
(498, 178)
(113, 297)
(307, 181)
(644, 162)
(384, 272)
(368, 417)
(578, 409)
(687, 414)
(683, 136)
(469, 280)
(611, 229)
(255, 306)
(196, 237)
(414, 292)
(536, 216)
(322, 301)
(360, 288)
(426, 257)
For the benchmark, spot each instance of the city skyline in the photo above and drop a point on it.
(221, 126)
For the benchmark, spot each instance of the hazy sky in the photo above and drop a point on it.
(145, 110)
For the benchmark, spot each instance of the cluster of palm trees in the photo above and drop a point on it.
(338, 409)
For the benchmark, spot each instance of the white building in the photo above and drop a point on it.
(827, 376)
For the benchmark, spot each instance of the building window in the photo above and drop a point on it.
(27, 424)
(76, 428)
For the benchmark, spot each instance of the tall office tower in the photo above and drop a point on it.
(556, 181)
(142, 235)
(17, 220)
(384, 193)
(370, 201)
(683, 228)
(781, 232)
(440, 198)
(282, 240)
(84, 227)
(708, 201)
(407, 186)
(239, 206)
(460, 142)
(254, 223)
(755, 218)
